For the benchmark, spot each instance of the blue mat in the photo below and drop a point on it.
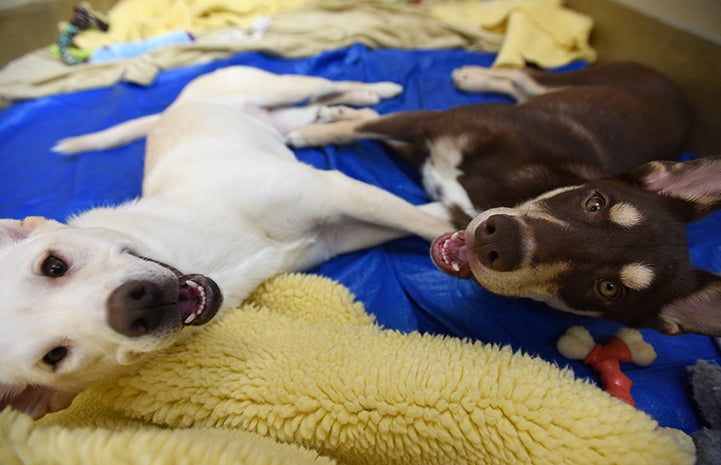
(397, 281)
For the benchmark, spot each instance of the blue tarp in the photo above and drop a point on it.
(397, 282)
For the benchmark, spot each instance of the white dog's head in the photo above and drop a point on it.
(80, 306)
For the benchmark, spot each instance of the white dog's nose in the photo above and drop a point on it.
(138, 308)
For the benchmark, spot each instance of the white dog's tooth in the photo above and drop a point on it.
(455, 267)
(190, 318)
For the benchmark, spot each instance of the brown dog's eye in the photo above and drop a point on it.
(607, 289)
(54, 267)
(594, 204)
(54, 357)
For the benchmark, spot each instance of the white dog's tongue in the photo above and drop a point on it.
(450, 254)
(199, 299)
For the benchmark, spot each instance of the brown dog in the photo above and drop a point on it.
(567, 201)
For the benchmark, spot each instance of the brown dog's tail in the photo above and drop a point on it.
(113, 136)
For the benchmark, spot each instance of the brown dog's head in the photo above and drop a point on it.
(612, 248)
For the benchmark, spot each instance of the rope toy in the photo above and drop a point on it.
(626, 346)
(83, 18)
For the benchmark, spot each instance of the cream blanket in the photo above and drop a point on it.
(301, 374)
(541, 31)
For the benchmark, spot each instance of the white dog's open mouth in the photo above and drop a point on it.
(199, 299)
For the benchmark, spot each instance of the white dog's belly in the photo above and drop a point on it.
(201, 135)
(225, 197)
(231, 247)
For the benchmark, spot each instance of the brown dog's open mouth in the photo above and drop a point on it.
(199, 299)
(450, 254)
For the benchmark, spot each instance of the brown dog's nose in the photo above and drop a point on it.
(137, 308)
(497, 243)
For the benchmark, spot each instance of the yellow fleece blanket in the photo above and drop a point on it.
(541, 31)
(536, 31)
(301, 374)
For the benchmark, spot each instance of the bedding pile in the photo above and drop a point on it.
(396, 283)
(541, 31)
(301, 362)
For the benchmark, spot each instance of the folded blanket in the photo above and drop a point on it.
(132, 20)
(302, 363)
(542, 31)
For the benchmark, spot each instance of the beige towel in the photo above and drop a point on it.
(310, 29)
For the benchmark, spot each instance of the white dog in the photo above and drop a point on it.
(223, 197)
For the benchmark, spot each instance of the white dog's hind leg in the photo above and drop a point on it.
(107, 138)
(369, 96)
(290, 89)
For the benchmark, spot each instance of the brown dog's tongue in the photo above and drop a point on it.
(450, 254)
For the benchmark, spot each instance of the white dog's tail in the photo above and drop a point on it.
(114, 136)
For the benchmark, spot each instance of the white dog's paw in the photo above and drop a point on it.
(387, 89)
(295, 139)
(70, 146)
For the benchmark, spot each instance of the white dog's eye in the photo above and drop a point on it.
(55, 356)
(54, 267)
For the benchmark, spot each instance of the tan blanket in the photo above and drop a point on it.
(542, 31)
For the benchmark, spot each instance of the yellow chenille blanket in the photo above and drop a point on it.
(301, 363)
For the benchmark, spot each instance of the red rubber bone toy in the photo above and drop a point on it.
(626, 346)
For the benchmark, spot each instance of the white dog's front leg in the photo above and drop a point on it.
(370, 204)
(350, 234)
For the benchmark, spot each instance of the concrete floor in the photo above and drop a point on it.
(27, 25)
(700, 17)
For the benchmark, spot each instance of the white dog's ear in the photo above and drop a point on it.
(17, 230)
(34, 400)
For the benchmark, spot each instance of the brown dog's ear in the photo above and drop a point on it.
(17, 230)
(698, 313)
(693, 188)
(34, 400)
